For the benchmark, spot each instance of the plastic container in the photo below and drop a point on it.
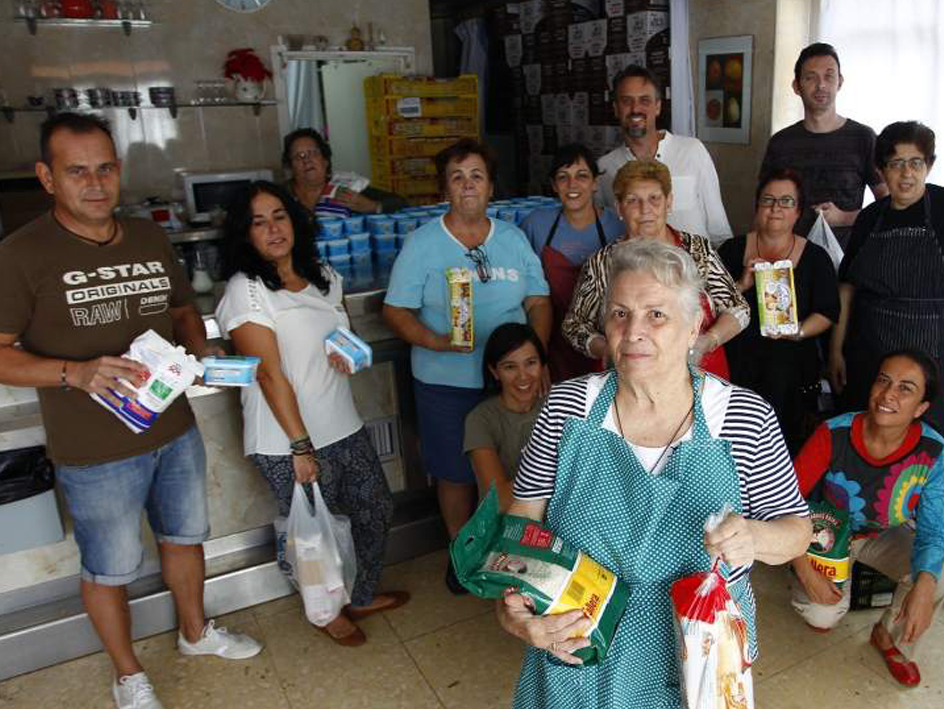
(341, 263)
(338, 246)
(322, 247)
(405, 223)
(353, 225)
(384, 225)
(351, 348)
(385, 243)
(492, 212)
(508, 214)
(360, 243)
(230, 371)
(331, 228)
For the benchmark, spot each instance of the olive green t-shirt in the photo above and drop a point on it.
(491, 425)
(66, 298)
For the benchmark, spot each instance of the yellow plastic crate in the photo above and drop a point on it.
(422, 127)
(423, 200)
(422, 86)
(399, 167)
(382, 146)
(409, 186)
(413, 107)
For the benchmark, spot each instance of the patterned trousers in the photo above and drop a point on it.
(352, 483)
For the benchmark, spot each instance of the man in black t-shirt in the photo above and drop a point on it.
(833, 154)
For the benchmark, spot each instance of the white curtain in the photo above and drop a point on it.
(683, 99)
(304, 95)
(892, 61)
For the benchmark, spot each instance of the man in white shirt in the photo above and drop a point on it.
(696, 200)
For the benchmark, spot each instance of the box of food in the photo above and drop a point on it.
(776, 298)
(357, 353)
(229, 370)
(460, 307)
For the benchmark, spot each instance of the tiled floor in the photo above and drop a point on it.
(445, 652)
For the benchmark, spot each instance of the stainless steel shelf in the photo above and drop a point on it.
(10, 111)
(33, 23)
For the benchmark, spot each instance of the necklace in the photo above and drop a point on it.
(106, 242)
(665, 450)
(793, 241)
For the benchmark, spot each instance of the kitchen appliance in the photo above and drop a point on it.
(206, 192)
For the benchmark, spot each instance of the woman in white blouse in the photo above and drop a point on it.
(299, 419)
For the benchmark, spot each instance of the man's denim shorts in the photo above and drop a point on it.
(106, 501)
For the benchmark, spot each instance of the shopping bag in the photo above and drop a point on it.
(822, 235)
(712, 644)
(320, 551)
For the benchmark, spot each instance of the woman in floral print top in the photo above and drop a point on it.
(885, 467)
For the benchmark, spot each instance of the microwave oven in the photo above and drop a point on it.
(205, 192)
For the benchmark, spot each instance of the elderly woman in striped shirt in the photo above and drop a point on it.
(627, 465)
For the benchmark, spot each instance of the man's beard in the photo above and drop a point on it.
(635, 131)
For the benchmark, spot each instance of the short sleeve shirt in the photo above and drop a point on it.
(66, 298)
(301, 322)
(418, 282)
(491, 425)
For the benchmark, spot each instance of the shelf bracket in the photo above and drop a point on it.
(8, 113)
(31, 25)
(133, 113)
(172, 109)
(256, 109)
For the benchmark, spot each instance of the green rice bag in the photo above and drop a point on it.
(494, 552)
(829, 549)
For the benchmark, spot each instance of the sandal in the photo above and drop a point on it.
(903, 670)
(355, 638)
(390, 600)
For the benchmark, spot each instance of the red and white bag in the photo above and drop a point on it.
(711, 635)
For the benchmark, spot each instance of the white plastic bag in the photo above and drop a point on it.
(822, 235)
(320, 551)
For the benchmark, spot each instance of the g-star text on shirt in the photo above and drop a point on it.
(108, 273)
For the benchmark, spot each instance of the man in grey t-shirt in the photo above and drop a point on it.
(833, 154)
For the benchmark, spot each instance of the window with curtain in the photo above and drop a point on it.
(892, 57)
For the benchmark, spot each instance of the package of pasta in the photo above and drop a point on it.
(494, 552)
(776, 298)
(462, 333)
(829, 549)
(714, 656)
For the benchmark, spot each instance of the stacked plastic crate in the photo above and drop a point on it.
(410, 119)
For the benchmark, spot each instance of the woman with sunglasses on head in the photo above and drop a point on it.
(891, 281)
(564, 237)
(784, 370)
(507, 286)
(307, 156)
(497, 430)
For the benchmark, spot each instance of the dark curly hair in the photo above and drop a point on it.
(323, 147)
(240, 256)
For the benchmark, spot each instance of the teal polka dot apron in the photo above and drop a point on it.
(648, 529)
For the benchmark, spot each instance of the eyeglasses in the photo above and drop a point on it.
(306, 155)
(915, 164)
(482, 266)
(786, 202)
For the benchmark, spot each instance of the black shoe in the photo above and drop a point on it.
(452, 582)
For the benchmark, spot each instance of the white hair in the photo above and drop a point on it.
(670, 266)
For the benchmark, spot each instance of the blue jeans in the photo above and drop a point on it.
(106, 501)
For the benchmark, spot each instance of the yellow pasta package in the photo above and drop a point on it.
(460, 307)
(776, 298)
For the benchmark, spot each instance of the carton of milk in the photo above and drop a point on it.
(351, 348)
(171, 371)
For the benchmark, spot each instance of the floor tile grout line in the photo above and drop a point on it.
(442, 627)
(419, 669)
(275, 667)
(832, 646)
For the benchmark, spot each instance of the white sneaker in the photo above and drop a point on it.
(220, 642)
(135, 692)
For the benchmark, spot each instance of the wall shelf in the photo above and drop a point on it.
(33, 23)
(9, 112)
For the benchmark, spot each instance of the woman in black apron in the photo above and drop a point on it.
(892, 276)
(564, 237)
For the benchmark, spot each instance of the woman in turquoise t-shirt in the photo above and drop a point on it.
(507, 286)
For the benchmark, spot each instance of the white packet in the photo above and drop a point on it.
(171, 369)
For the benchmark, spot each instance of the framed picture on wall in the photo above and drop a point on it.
(724, 89)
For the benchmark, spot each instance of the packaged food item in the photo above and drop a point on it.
(171, 369)
(714, 655)
(357, 353)
(229, 370)
(776, 298)
(494, 552)
(460, 306)
(829, 549)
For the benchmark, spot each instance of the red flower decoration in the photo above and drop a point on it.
(244, 63)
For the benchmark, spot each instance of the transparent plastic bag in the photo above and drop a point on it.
(822, 235)
(711, 634)
(319, 550)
